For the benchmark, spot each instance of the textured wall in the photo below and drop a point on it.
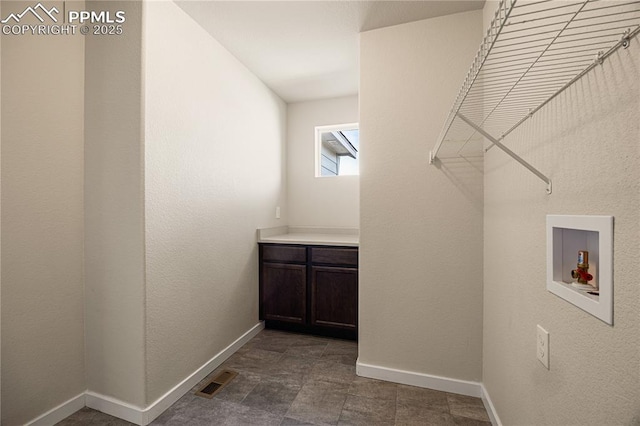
(215, 151)
(330, 202)
(420, 226)
(114, 223)
(0, 227)
(42, 211)
(588, 141)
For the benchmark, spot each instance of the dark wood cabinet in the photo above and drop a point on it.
(310, 289)
(281, 253)
(334, 297)
(284, 292)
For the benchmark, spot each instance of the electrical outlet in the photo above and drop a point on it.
(542, 350)
(278, 212)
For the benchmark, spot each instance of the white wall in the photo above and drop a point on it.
(214, 160)
(0, 227)
(332, 202)
(114, 223)
(420, 226)
(42, 222)
(587, 141)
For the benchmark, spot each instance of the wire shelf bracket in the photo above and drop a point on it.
(532, 51)
(512, 154)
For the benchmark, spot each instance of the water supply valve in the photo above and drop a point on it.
(581, 273)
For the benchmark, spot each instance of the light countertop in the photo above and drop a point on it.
(310, 236)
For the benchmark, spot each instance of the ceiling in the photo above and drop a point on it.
(306, 50)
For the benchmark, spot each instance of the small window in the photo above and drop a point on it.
(337, 150)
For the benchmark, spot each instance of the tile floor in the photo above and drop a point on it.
(294, 379)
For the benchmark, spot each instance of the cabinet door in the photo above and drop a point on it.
(284, 294)
(334, 297)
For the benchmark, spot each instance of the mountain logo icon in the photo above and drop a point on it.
(38, 11)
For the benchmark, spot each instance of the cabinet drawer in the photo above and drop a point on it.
(284, 254)
(335, 256)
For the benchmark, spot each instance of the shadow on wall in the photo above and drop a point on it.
(466, 173)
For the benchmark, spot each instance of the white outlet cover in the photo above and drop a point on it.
(542, 346)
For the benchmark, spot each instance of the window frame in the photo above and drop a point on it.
(318, 145)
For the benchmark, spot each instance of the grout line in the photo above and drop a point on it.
(252, 388)
(324, 350)
(346, 395)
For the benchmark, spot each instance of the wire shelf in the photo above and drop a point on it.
(532, 51)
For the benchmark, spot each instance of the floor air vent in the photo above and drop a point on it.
(216, 384)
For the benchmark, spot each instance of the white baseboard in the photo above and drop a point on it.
(115, 407)
(144, 416)
(60, 412)
(491, 410)
(422, 380)
(166, 400)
